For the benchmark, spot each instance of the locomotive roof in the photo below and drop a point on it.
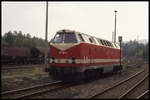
(115, 45)
(66, 30)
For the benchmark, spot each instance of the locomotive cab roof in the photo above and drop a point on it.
(71, 36)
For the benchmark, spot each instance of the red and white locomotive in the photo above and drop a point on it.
(77, 54)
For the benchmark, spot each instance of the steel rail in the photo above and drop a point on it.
(42, 91)
(130, 90)
(17, 67)
(7, 68)
(5, 94)
(143, 94)
(107, 89)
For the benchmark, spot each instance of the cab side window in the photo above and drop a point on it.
(80, 37)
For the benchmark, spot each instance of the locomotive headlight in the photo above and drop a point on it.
(73, 60)
(53, 60)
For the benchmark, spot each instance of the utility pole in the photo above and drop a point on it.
(120, 40)
(112, 36)
(46, 30)
(137, 44)
(115, 27)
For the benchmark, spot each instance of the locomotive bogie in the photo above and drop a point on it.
(61, 72)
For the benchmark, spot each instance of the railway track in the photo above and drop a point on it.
(26, 92)
(144, 94)
(19, 66)
(132, 92)
(122, 86)
(14, 64)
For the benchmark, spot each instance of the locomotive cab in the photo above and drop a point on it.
(64, 52)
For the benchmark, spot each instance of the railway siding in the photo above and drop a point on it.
(137, 89)
(144, 95)
(27, 91)
(121, 87)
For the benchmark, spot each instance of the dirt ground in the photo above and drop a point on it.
(25, 77)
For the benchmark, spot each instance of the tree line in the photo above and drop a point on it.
(135, 49)
(18, 39)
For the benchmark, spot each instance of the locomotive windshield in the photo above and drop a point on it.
(58, 38)
(70, 38)
(67, 37)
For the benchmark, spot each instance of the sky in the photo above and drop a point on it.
(93, 18)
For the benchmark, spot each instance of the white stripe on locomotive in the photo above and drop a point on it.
(78, 61)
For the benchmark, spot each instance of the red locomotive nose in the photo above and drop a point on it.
(64, 48)
(67, 57)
